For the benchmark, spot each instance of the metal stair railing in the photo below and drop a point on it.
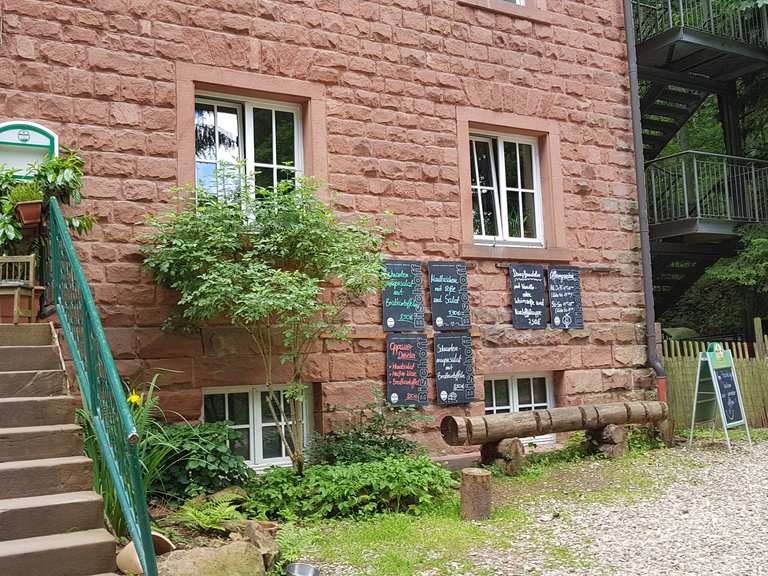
(653, 17)
(100, 384)
(706, 185)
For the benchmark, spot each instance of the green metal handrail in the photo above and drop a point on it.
(100, 384)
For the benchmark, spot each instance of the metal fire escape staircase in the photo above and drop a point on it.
(688, 50)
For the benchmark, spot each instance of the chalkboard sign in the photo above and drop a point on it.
(402, 297)
(717, 391)
(454, 372)
(726, 383)
(565, 297)
(406, 370)
(528, 310)
(449, 295)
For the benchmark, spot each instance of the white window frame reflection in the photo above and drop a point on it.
(500, 189)
(218, 162)
(256, 423)
(514, 404)
(245, 108)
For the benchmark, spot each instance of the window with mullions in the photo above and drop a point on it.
(247, 410)
(505, 394)
(265, 136)
(506, 192)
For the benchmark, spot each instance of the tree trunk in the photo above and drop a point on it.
(475, 494)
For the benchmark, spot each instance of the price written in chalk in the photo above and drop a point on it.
(528, 308)
(454, 370)
(406, 370)
(402, 297)
(449, 295)
(565, 297)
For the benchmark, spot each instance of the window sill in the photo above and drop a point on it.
(503, 7)
(478, 251)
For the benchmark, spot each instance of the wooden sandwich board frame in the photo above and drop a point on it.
(716, 365)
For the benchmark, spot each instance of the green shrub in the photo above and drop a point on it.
(25, 192)
(395, 484)
(154, 452)
(374, 432)
(352, 447)
(201, 461)
(209, 515)
(642, 439)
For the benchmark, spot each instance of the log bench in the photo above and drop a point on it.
(499, 435)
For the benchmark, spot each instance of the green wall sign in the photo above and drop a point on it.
(717, 392)
(23, 143)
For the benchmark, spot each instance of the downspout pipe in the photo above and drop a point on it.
(645, 241)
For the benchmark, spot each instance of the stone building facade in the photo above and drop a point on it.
(396, 104)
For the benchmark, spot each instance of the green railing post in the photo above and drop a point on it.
(102, 389)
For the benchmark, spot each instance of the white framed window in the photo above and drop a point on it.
(246, 410)
(506, 189)
(266, 135)
(520, 393)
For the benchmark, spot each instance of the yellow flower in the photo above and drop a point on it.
(134, 398)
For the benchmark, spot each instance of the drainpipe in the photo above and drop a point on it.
(645, 241)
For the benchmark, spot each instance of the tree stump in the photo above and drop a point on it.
(610, 440)
(667, 430)
(475, 494)
(507, 454)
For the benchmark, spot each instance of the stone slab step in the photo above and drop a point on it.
(17, 358)
(26, 335)
(49, 514)
(44, 476)
(72, 554)
(36, 411)
(35, 442)
(33, 383)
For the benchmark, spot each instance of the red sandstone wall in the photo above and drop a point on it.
(393, 71)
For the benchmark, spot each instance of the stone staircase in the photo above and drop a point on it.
(51, 521)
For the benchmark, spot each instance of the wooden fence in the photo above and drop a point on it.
(681, 364)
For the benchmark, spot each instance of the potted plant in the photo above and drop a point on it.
(27, 200)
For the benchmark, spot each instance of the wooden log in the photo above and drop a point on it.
(613, 434)
(477, 430)
(475, 494)
(454, 430)
(500, 426)
(614, 413)
(507, 454)
(667, 429)
(613, 450)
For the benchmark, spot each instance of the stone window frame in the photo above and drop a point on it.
(192, 79)
(533, 10)
(514, 405)
(255, 424)
(547, 132)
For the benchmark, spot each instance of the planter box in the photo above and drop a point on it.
(30, 213)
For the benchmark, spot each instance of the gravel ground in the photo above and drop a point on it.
(714, 522)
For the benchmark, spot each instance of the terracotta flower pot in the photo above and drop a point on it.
(30, 212)
(128, 559)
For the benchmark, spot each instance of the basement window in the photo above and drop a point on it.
(247, 411)
(520, 393)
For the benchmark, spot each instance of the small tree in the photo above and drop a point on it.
(276, 262)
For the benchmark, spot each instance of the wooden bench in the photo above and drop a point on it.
(499, 434)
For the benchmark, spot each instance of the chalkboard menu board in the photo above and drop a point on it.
(402, 298)
(454, 372)
(406, 370)
(528, 310)
(729, 395)
(449, 295)
(565, 297)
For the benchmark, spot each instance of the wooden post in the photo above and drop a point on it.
(475, 494)
(760, 351)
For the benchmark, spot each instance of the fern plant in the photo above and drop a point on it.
(209, 515)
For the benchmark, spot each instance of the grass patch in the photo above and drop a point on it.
(403, 545)
(759, 435)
